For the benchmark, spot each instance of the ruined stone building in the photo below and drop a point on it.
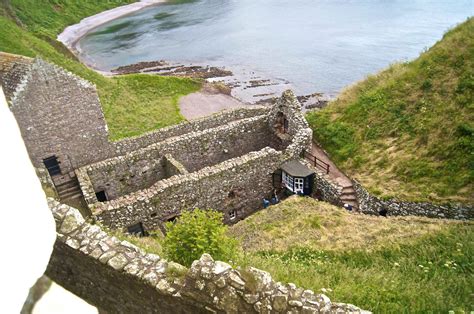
(228, 162)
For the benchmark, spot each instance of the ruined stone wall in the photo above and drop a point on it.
(140, 169)
(60, 114)
(222, 118)
(369, 204)
(238, 185)
(119, 277)
(298, 133)
(127, 176)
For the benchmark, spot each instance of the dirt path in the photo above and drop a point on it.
(206, 102)
(348, 194)
(334, 173)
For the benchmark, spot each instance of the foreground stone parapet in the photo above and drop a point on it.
(119, 277)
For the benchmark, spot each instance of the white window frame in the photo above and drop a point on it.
(288, 181)
(299, 185)
(232, 215)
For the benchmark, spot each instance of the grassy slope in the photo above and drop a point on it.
(371, 262)
(132, 104)
(409, 130)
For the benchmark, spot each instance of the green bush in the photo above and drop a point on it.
(195, 233)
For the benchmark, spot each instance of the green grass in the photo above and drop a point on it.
(409, 130)
(132, 104)
(385, 265)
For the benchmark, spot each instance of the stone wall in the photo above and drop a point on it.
(140, 169)
(13, 69)
(325, 189)
(238, 185)
(369, 204)
(119, 277)
(59, 114)
(127, 176)
(218, 119)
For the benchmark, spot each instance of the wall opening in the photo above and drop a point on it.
(137, 230)
(282, 124)
(52, 165)
(101, 196)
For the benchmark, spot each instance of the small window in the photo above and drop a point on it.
(299, 182)
(288, 181)
(101, 196)
(232, 215)
(285, 125)
(154, 215)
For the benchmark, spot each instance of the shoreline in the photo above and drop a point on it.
(246, 88)
(71, 35)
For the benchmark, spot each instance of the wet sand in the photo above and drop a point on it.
(71, 34)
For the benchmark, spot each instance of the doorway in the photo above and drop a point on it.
(52, 165)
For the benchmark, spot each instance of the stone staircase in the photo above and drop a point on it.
(349, 196)
(68, 188)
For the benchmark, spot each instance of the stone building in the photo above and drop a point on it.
(225, 162)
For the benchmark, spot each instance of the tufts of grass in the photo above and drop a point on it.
(408, 130)
(385, 265)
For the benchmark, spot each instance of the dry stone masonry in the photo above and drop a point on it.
(228, 167)
(119, 277)
(370, 204)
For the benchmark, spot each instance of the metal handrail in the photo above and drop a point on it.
(316, 161)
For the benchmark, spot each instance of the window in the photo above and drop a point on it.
(285, 125)
(299, 182)
(288, 181)
(232, 215)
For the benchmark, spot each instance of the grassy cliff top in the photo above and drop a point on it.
(385, 265)
(408, 131)
(132, 104)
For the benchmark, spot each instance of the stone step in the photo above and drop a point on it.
(351, 197)
(66, 185)
(348, 192)
(69, 189)
(73, 196)
(70, 194)
(347, 188)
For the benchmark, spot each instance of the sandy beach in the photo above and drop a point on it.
(73, 33)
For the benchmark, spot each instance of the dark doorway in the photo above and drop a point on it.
(137, 230)
(52, 164)
(101, 196)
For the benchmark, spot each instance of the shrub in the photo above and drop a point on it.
(195, 233)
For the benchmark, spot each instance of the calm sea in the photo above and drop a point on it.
(316, 45)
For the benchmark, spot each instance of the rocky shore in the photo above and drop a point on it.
(245, 86)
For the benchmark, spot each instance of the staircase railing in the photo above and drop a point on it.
(318, 163)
